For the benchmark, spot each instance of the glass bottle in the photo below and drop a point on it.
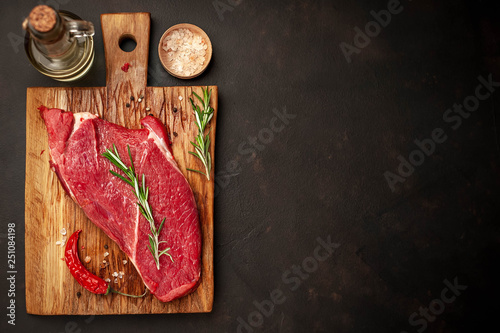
(58, 43)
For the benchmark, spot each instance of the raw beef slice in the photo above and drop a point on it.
(77, 142)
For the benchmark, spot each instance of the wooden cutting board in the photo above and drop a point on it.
(50, 288)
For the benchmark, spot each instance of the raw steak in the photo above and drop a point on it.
(76, 143)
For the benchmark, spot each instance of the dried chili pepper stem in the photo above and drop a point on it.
(89, 281)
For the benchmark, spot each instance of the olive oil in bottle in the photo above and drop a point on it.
(58, 43)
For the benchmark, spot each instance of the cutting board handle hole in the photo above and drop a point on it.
(127, 42)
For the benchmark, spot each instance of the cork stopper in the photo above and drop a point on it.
(43, 18)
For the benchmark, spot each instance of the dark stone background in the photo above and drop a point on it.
(323, 173)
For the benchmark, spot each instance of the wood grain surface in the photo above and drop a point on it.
(50, 288)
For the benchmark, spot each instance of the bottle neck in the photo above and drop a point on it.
(48, 31)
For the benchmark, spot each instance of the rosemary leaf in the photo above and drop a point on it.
(121, 177)
(194, 154)
(161, 225)
(196, 171)
(141, 192)
(199, 98)
(203, 117)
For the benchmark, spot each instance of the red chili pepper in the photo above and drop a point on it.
(86, 279)
(125, 67)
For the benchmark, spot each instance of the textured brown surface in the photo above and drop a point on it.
(42, 18)
(50, 289)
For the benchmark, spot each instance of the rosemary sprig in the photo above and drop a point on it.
(202, 142)
(141, 192)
